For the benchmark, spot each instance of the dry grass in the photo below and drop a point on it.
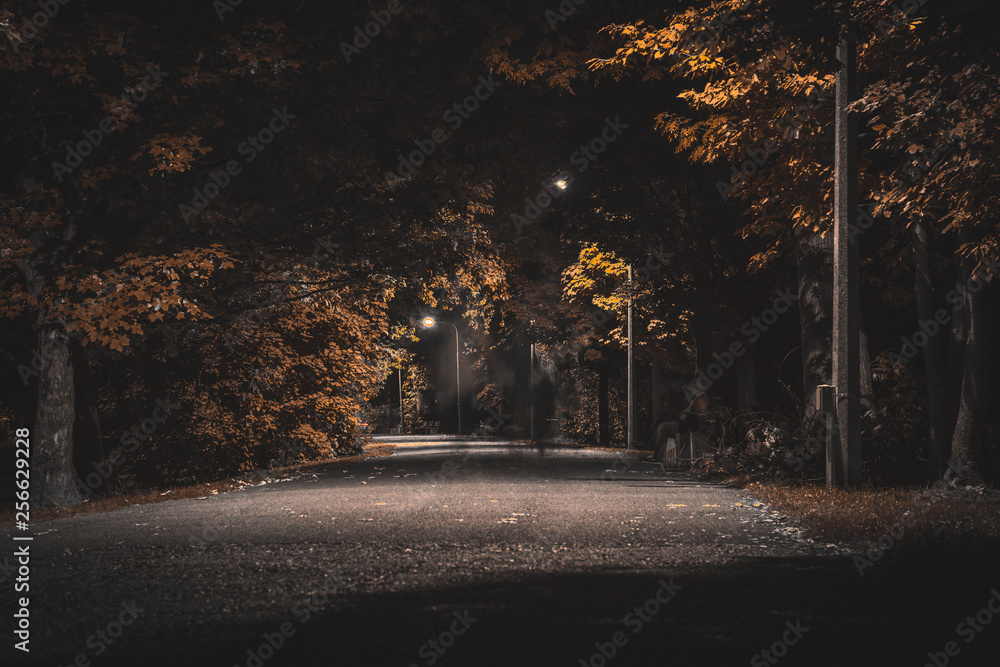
(156, 495)
(868, 514)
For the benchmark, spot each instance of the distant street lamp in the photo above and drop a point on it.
(429, 322)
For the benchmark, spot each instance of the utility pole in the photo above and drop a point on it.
(400, 376)
(846, 275)
(458, 382)
(631, 379)
(531, 394)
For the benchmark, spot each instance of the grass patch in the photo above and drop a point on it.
(925, 516)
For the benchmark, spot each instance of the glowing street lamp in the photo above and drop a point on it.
(429, 322)
(561, 184)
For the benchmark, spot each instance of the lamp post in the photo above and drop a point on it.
(531, 394)
(429, 322)
(846, 272)
(399, 372)
(631, 380)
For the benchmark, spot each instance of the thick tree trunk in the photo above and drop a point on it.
(933, 353)
(602, 406)
(815, 291)
(963, 466)
(87, 446)
(52, 458)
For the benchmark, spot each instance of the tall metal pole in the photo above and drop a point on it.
(846, 275)
(631, 385)
(531, 393)
(400, 376)
(458, 383)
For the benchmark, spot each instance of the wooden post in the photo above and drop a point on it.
(825, 406)
(846, 307)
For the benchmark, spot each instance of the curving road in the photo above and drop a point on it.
(476, 553)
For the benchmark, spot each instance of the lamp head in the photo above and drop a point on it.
(429, 322)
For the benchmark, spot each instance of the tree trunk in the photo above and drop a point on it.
(52, 458)
(956, 361)
(815, 285)
(703, 347)
(602, 406)
(657, 389)
(867, 391)
(963, 466)
(746, 380)
(933, 353)
(87, 445)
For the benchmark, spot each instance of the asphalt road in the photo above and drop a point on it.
(478, 554)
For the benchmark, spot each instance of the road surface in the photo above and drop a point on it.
(477, 554)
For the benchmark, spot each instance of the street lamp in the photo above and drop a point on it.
(630, 437)
(429, 322)
(531, 394)
(399, 375)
